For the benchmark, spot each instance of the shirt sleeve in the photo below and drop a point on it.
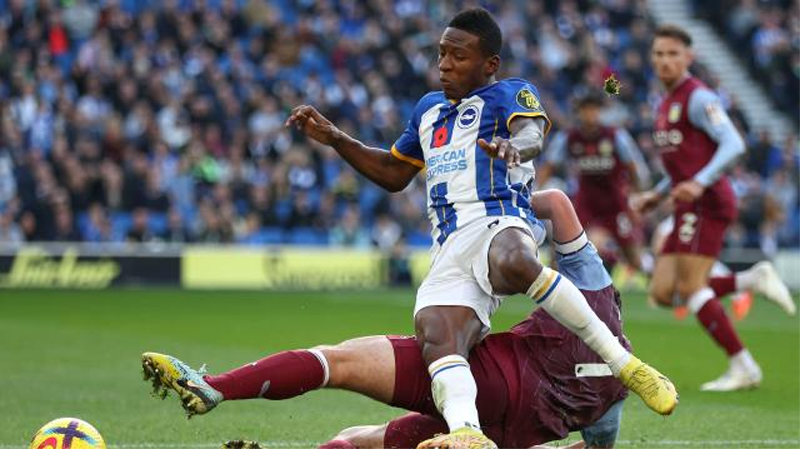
(523, 101)
(629, 152)
(407, 148)
(706, 113)
(556, 151)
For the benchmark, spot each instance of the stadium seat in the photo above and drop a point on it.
(307, 236)
(420, 239)
(158, 222)
(271, 235)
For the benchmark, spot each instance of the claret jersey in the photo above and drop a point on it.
(463, 182)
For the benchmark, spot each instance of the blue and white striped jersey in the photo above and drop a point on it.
(464, 183)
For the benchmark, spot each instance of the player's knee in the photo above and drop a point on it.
(444, 331)
(686, 289)
(661, 294)
(430, 328)
(338, 358)
(519, 268)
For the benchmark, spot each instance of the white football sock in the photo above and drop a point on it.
(454, 392)
(699, 299)
(745, 280)
(564, 302)
(744, 361)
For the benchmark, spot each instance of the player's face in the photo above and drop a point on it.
(671, 59)
(463, 66)
(589, 115)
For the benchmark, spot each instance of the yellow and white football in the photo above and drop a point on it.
(67, 433)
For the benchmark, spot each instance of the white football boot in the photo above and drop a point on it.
(743, 374)
(762, 278)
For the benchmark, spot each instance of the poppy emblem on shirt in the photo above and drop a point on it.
(440, 137)
(467, 117)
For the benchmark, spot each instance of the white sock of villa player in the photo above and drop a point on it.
(454, 392)
(564, 302)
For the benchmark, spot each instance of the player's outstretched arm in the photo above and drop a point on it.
(378, 165)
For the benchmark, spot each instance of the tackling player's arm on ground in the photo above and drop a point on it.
(631, 156)
(378, 165)
(706, 113)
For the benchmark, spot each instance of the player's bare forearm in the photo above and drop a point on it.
(378, 165)
(527, 136)
(555, 205)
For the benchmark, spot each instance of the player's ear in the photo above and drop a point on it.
(690, 55)
(492, 65)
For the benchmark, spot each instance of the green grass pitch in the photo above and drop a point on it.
(73, 353)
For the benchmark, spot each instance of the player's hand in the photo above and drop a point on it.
(642, 202)
(313, 124)
(501, 149)
(687, 191)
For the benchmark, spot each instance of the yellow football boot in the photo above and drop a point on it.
(168, 373)
(463, 438)
(654, 388)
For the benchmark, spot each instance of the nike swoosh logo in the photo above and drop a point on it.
(264, 389)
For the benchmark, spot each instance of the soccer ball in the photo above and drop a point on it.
(67, 433)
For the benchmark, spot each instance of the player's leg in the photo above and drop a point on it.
(446, 334)
(632, 254)
(363, 365)
(514, 268)
(404, 432)
(692, 286)
(603, 240)
(360, 437)
(602, 434)
(663, 281)
(761, 278)
(452, 313)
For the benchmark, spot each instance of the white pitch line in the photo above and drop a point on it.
(703, 443)
(268, 444)
(312, 444)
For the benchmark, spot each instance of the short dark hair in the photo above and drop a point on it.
(675, 32)
(480, 22)
(591, 98)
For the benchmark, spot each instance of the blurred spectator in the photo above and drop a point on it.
(140, 227)
(120, 120)
(176, 231)
(348, 232)
(10, 233)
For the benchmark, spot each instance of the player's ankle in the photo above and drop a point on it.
(619, 363)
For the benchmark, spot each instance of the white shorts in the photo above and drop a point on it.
(459, 274)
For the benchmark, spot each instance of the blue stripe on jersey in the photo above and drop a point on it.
(490, 173)
(523, 200)
(445, 212)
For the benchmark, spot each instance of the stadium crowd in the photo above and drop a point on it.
(145, 120)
